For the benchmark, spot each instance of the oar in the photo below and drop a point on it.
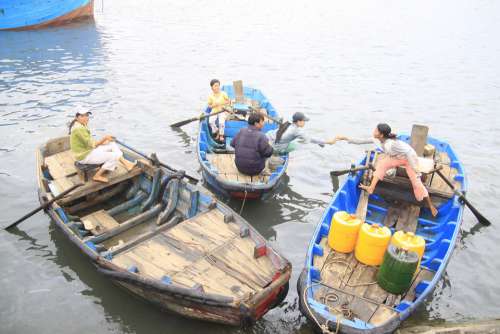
(197, 118)
(153, 160)
(275, 120)
(461, 195)
(353, 169)
(44, 205)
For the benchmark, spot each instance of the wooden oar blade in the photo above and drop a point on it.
(184, 122)
(482, 219)
(474, 211)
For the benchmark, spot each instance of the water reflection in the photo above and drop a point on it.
(66, 62)
(284, 206)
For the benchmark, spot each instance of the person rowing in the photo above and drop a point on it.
(87, 151)
(397, 153)
(217, 100)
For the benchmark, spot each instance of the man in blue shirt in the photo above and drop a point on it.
(251, 146)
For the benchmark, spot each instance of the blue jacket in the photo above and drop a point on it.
(251, 148)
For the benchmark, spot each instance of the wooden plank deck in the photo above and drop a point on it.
(224, 163)
(204, 251)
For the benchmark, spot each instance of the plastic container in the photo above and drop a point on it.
(396, 272)
(344, 230)
(410, 241)
(372, 243)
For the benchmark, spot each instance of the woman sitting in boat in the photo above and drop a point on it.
(284, 138)
(398, 153)
(217, 101)
(87, 151)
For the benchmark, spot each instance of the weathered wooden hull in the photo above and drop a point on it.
(23, 19)
(186, 301)
(375, 310)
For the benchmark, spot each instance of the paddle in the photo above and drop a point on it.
(275, 120)
(197, 118)
(43, 206)
(461, 195)
(353, 169)
(155, 160)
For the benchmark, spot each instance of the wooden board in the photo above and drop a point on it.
(238, 91)
(99, 222)
(382, 314)
(212, 279)
(56, 145)
(118, 175)
(422, 275)
(408, 218)
(224, 163)
(419, 138)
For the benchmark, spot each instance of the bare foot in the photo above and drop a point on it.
(434, 211)
(101, 179)
(130, 165)
(366, 188)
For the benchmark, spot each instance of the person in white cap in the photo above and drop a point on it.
(88, 151)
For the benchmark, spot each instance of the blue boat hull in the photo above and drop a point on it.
(440, 233)
(33, 14)
(206, 145)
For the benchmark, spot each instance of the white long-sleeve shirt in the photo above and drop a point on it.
(394, 148)
(293, 132)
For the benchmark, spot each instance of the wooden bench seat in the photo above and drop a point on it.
(225, 165)
(99, 222)
(61, 165)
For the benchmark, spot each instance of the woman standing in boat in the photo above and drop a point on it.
(398, 153)
(87, 151)
(217, 101)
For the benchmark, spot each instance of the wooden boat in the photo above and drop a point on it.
(164, 239)
(338, 292)
(35, 14)
(217, 161)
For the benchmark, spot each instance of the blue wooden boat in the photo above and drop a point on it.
(217, 161)
(337, 292)
(34, 14)
(164, 239)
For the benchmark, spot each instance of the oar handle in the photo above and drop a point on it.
(44, 205)
(161, 163)
(352, 170)
(461, 195)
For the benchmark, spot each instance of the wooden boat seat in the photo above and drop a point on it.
(85, 170)
(99, 222)
(224, 163)
(205, 252)
(61, 167)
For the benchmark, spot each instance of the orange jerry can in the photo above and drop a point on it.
(343, 233)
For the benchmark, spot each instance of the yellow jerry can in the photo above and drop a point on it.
(343, 233)
(372, 243)
(409, 241)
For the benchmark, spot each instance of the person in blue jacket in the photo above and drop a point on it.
(251, 146)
